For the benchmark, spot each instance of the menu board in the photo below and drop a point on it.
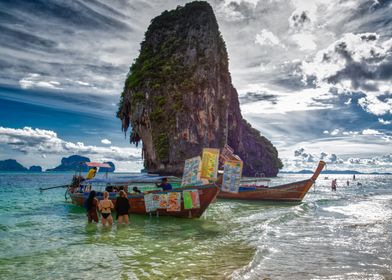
(232, 176)
(191, 173)
(163, 201)
(191, 199)
(210, 162)
(174, 201)
(150, 201)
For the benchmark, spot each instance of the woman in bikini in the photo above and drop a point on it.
(106, 206)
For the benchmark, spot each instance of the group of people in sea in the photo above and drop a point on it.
(106, 206)
(334, 183)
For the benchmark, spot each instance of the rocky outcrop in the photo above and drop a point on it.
(11, 165)
(76, 163)
(72, 163)
(35, 168)
(178, 96)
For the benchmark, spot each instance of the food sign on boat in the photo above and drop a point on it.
(191, 173)
(210, 162)
(232, 172)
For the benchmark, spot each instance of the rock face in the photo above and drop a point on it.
(72, 163)
(178, 96)
(11, 165)
(75, 163)
(35, 168)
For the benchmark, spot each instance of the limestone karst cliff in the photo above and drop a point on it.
(178, 96)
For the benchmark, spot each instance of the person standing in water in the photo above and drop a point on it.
(106, 206)
(122, 208)
(333, 185)
(91, 206)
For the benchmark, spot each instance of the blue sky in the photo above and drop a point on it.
(315, 77)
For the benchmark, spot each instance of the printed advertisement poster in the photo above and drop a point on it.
(191, 199)
(174, 201)
(232, 176)
(191, 173)
(150, 203)
(210, 162)
(163, 201)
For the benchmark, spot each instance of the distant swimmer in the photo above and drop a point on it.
(359, 184)
(333, 185)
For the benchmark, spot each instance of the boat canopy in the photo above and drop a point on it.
(97, 164)
(130, 179)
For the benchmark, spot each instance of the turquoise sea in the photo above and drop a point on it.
(345, 234)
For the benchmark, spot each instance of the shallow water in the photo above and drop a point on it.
(330, 235)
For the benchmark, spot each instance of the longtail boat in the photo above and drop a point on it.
(205, 194)
(293, 192)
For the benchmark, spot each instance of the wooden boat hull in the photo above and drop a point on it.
(293, 192)
(207, 194)
(290, 192)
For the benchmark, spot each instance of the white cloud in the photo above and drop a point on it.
(34, 80)
(301, 155)
(334, 132)
(386, 122)
(82, 83)
(267, 38)
(286, 102)
(305, 41)
(106, 141)
(374, 105)
(348, 102)
(300, 160)
(355, 63)
(371, 132)
(39, 141)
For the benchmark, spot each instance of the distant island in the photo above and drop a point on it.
(72, 163)
(305, 171)
(35, 168)
(11, 165)
(76, 163)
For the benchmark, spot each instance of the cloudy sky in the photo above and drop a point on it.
(315, 77)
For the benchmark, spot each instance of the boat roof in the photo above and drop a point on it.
(97, 164)
(144, 178)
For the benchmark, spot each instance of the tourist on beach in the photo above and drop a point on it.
(165, 185)
(92, 203)
(333, 185)
(106, 206)
(122, 208)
